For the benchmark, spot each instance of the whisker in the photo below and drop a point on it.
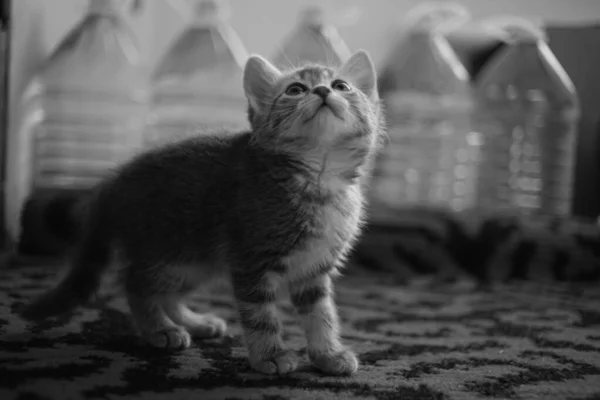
(290, 65)
(329, 52)
(266, 103)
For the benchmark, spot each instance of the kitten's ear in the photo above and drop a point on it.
(259, 77)
(361, 71)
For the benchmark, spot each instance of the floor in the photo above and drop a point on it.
(418, 341)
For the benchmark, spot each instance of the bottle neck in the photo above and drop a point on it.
(104, 7)
(312, 17)
(208, 13)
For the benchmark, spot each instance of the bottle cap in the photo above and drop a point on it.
(518, 29)
(436, 16)
(312, 16)
(104, 6)
(207, 10)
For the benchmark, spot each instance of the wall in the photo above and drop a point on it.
(39, 24)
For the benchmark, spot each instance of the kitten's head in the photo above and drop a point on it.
(314, 108)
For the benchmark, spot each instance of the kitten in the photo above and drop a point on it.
(280, 206)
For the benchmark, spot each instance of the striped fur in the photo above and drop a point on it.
(279, 206)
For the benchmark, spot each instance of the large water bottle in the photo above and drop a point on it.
(431, 153)
(83, 112)
(314, 40)
(5, 36)
(197, 85)
(527, 111)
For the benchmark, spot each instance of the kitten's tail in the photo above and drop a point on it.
(90, 261)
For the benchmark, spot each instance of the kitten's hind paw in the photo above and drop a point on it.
(175, 338)
(338, 364)
(207, 326)
(282, 363)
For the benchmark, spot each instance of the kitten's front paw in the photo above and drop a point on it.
(170, 338)
(281, 363)
(340, 363)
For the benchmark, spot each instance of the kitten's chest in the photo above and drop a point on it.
(328, 233)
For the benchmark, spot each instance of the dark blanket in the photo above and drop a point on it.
(454, 341)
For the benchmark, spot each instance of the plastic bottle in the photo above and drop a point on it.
(197, 85)
(312, 41)
(83, 112)
(431, 153)
(527, 111)
(5, 36)
(475, 43)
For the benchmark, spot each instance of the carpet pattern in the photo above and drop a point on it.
(418, 341)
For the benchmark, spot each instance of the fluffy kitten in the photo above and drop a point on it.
(281, 205)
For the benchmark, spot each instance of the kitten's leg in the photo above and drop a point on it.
(153, 323)
(314, 303)
(198, 325)
(149, 292)
(262, 329)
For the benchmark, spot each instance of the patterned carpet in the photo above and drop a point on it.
(423, 341)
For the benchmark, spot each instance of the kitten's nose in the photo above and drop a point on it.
(322, 91)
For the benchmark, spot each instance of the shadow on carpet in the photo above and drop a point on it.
(443, 341)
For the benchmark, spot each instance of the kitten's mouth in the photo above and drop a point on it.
(323, 108)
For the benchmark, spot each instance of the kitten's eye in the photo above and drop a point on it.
(340, 86)
(296, 89)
